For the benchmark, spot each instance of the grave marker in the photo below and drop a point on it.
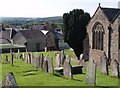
(91, 72)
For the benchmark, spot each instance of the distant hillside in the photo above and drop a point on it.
(25, 22)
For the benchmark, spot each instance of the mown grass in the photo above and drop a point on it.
(27, 75)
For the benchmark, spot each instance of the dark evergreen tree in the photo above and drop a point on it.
(74, 29)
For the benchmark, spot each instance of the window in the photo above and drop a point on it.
(97, 40)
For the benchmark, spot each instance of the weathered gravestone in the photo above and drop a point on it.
(36, 60)
(50, 65)
(57, 58)
(91, 72)
(18, 54)
(26, 59)
(9, 81)
(62, 57)
(5, 58)
(41, 59)
(104, 65)
(45, 63)
(22, 56)
(29, 58)
(68, 58)
(67, 70)
(11, 57)
(0, 58)
(115, 68)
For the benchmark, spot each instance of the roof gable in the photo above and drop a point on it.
(30, 34)
(110, 13)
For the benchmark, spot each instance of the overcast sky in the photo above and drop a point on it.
(48, 8)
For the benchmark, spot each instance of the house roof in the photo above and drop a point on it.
(7, 33)
(31, 33)
(110, 13)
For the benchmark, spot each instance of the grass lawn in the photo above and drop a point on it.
(27, 75)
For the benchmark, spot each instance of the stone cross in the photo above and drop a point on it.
(67, 70)
(91, 72)
(50, 65)
(115, 68)
(57, 58)
(9, 81)
(104, 65)
(62, 57)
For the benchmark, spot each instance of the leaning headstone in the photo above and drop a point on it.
(41, 59)
(57, 58)
(91, 72)
(50, 65)
(104, 65)
(67, 70)
(26, 59)
(45, 63)
(5, 58)
(62, 57)
(11, 57)
(9, 81)
(115, 68)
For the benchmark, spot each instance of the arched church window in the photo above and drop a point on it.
(97, 36)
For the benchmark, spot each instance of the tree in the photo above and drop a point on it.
(74, 29)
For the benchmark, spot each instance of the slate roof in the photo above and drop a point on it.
(31, 33)
(111, 13)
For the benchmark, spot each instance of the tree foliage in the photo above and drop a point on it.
(74, 30)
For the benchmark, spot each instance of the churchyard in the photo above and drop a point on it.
(41, 71)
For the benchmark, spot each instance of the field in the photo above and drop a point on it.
(27, 75)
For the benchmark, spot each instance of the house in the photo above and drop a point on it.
(104, 34)
(34, 40)
(6, 35)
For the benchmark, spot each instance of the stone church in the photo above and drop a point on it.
(104, 34)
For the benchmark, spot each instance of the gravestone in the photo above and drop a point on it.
(11, 57)
(104, 65)
(9, 81)
(26, 59)
(22, 56)
(62, 57)
(41, 61)
(68, 58)
(67, 70)
(36, 60)
(57, 58)
(45, 63)
(91, 72)
(0, 58)
(5, 58)
(18, 54)
(115, 68)
(29, 58)
(50, 65)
